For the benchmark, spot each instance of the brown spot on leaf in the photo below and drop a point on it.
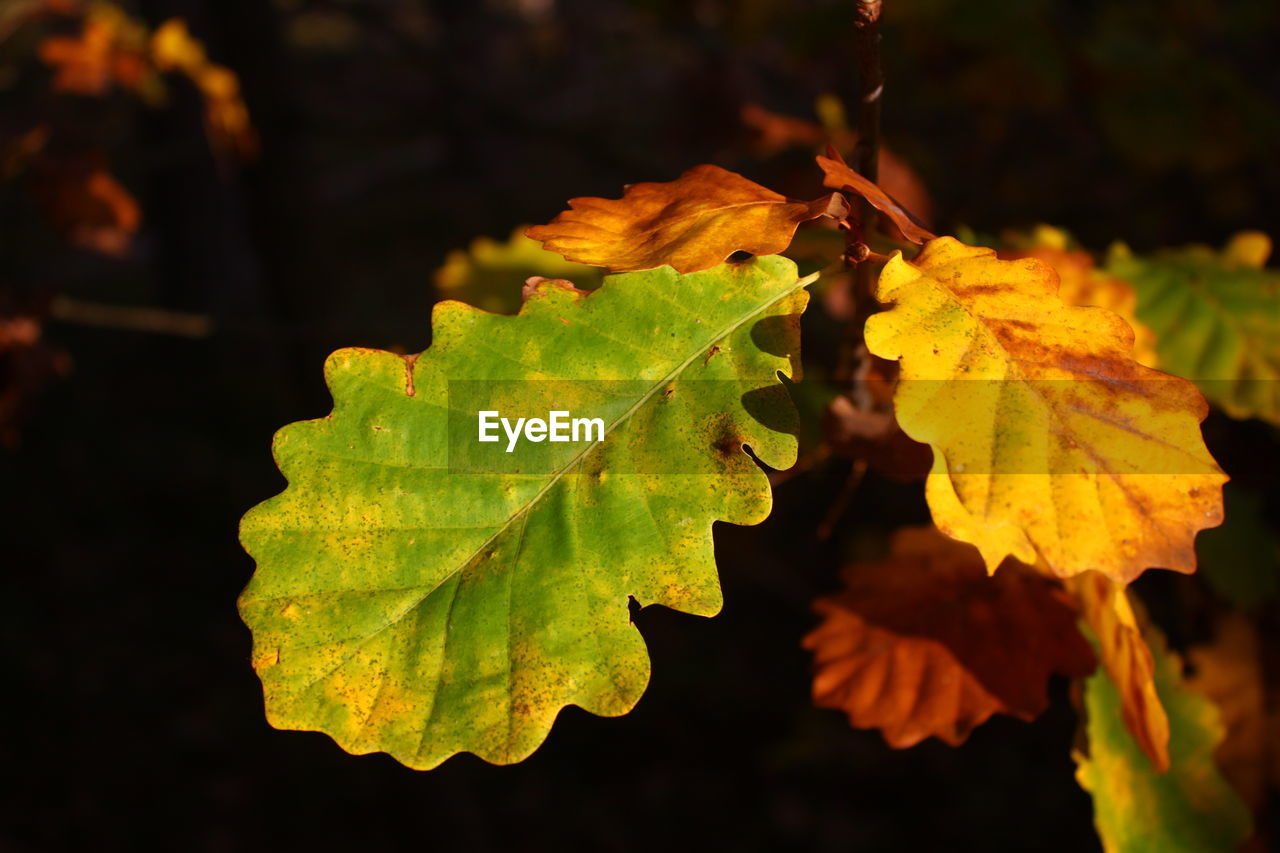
(409, 361)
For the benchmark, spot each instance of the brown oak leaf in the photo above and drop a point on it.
(839, 176)
(925, 643)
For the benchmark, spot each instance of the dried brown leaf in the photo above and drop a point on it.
(925, 643)
(840, 176)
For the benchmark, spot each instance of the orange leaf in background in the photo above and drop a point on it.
(107, 214)
(776, 132)
(1106, 608)
(173, 48)
(107, 52)
(692, 223)
(840, 177)
(1081, 283)
(927, 644)
(226, 115)
(87, 205)
(83, 65)
(1229, 672)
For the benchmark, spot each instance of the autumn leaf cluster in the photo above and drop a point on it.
(97, 50)
(1048, 405)
(82, 52)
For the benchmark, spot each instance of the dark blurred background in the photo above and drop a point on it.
(395, 130)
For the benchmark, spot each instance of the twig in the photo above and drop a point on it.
(866, 162)
(129, 318)
(866, 28)
(181, 324)
(841, 504)
(866, 156)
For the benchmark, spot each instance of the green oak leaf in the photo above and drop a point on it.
(1216, 317)
(423, 600)
(490, 274)
(1188, 809)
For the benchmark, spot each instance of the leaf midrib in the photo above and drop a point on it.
(577, 460)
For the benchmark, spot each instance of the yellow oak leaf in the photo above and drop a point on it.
(1082, 283)
(1107, 610)
(692, 223)
(925, 643)
(1050, 442)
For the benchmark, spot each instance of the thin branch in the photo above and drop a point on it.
(182, 324)
(866, 28)
(129, 318)
(866, 162)
(841, 504)
(866, 156)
